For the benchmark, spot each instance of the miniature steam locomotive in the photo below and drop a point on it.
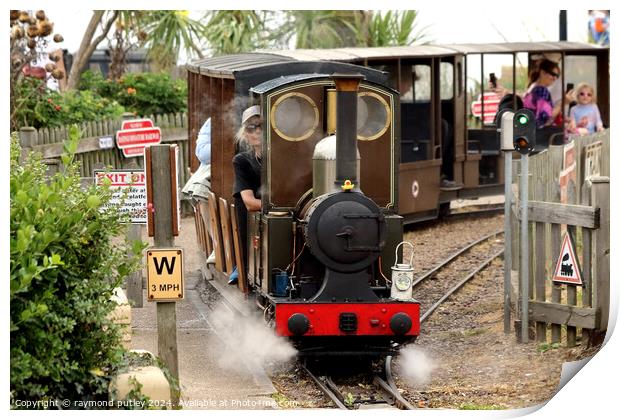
(328, 232)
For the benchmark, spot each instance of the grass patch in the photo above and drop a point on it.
(474, 332)
(281, 399)
(544, 347)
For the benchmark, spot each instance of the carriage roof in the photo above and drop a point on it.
(516, 47)
(228, 66)
(431, 50)
(251, 68)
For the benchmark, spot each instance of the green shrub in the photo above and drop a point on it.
(140, 93)
(37, 106)
(65, 262)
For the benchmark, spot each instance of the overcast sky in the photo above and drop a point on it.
(466, 25)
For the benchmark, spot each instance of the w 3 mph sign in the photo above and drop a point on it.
(134, 135)
(164, 274)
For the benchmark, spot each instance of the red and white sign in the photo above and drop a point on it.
(140, 134)
(491, 103)
(128, 192)
(133, 124)
(567, 268)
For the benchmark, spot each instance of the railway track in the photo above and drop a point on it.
(482, 211)
(385, 394)
(472, 258)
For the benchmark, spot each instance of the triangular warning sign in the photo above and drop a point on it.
(567, 268)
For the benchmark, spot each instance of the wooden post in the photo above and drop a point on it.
(27, 139)
(553, 195)
(164, 238)
(586, 290)
(541, 258)
(571, 290)
(600, 253)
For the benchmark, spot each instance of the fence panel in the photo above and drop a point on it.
(569, 194)
(49, 142)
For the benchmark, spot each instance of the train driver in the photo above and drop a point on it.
(247, 167)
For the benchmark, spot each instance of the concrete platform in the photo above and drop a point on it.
(206, 383)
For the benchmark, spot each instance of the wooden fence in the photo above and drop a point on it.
(568, 192)
(49, 142)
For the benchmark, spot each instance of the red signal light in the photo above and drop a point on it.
(522, 143)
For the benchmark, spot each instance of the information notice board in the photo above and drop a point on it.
(128, 190)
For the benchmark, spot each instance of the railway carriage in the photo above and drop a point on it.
(441, 138)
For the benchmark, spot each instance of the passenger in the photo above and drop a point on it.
(538, 97)
(247, 167)
(198, 186)
(203, 153)
(585, 117)
(203, 143)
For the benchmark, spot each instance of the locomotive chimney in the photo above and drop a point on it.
(346, 127)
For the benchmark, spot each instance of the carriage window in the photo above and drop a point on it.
(294, 116)
(373, 116)
(580, 69)
(421, 83)
(447, 81)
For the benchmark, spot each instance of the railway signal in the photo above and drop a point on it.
(524, 131)
(517, 130)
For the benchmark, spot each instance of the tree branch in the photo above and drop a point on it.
(88, 45)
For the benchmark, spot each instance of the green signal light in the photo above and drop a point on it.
(523, 119)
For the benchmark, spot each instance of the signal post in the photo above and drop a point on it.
(165, 267)
(517, 133)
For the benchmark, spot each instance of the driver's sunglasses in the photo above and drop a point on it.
(250, 128)
(556, 75)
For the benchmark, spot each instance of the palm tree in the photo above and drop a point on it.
(321, 28)
(234, 31)
(167, 32)
(349, 28)
(389, 29)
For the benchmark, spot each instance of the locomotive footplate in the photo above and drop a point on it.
(348, 319)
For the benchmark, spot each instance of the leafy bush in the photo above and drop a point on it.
(65, 263)
(141, 93)
(37, 106)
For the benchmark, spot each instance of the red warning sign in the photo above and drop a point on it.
(567, 268)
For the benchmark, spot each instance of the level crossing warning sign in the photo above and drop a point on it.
(164, 274)
(567, 268)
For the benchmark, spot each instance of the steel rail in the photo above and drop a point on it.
(452, 257)
(386, 386)
(475, 213)
(460, 284)
(398, 400)
(326, 389)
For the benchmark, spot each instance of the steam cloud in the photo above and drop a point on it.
(248, 343)
(415, 366)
